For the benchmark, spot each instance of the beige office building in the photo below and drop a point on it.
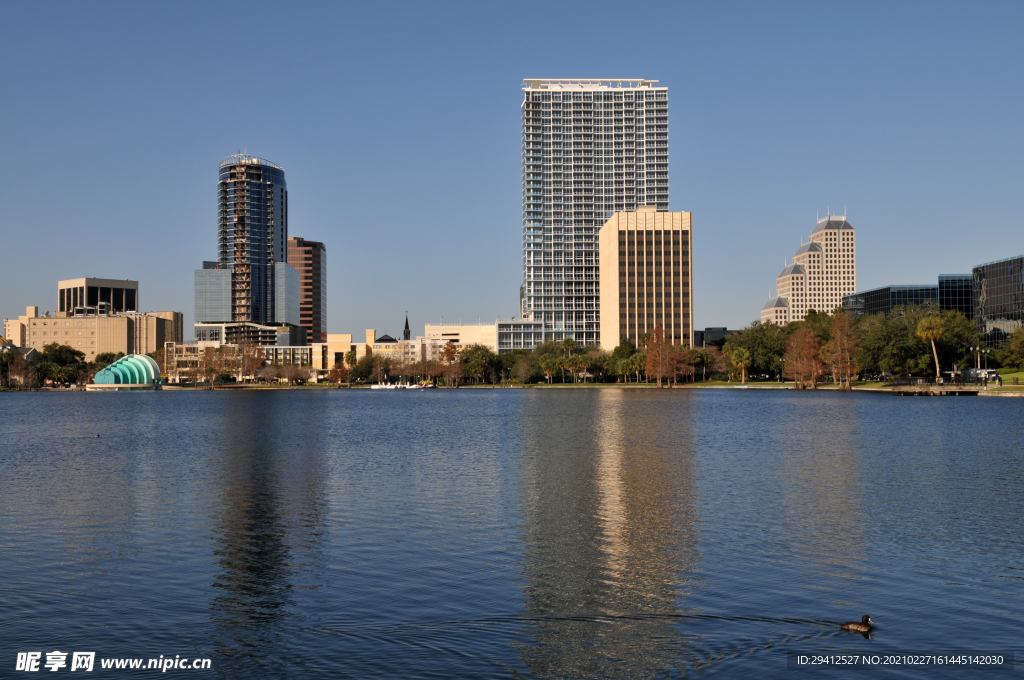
(139, 333)
(776, 311)
(16, 330)
(646, 276)
(464, 334)
(823, 270)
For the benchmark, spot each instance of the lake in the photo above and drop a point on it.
(539, 533)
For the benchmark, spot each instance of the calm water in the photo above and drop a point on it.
(508, 533)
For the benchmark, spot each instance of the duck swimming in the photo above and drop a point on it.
(865, 625)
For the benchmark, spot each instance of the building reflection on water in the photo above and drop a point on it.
(610, 499)
(823, 491)
(269, 534)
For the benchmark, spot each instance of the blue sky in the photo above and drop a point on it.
(398, 127)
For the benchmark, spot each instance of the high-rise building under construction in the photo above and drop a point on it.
(252, 233)
(590, 148)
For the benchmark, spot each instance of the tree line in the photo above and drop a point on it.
(910, 340)
(565, 362)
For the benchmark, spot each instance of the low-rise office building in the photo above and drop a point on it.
(883, 300)
(998, 304)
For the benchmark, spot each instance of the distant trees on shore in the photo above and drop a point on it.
(911, 340)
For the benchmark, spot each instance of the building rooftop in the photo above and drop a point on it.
(792, 269)
(1005, 259)
(246, 159)
(832, 222)
(586, 83)
(776, 302)
(809, 247)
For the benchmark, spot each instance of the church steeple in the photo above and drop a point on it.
(406, 335)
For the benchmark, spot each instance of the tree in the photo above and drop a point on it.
(478, 360)
(930, 329)
(251, 360)
(659, 355)
(568, 345)
(379, 367)
(338, 373)
(638, 363)
(684, 361)
(741, 359)
(210, 364)
(803, 359)
(451, 364)
(523, 370)
(715, 360)
(1013, 352)
(839, 351)
(624, 350)
(549, 364)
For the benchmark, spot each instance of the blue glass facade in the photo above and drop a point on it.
(212, 295)
(286, 294)
(999, 299)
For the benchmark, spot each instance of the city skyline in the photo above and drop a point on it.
(873, 129)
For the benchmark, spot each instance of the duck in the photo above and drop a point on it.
(865, 625)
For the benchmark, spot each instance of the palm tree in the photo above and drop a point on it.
(568, 345)
(638, 362)
(549, 365)
(931, 329)
(740, 358)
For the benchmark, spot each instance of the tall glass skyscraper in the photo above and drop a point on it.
(252, 222)
(590, 148)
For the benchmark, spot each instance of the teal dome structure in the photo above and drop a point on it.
(134, 369)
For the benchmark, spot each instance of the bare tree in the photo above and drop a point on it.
(522, 370)
(251, 360)
(659, 356)
(339, 373)
(210, 365)
(803, 359)
(452, 363)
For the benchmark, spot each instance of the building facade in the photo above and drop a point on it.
(646, 276)
(998, 299)
(94, 334)
(883, 300)
(823, 270)
(590, 148)
(88, 295)
(15, 330)
(776, 311)
(956, 293)
(309, 258)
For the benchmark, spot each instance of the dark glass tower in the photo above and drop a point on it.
(252, 222)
